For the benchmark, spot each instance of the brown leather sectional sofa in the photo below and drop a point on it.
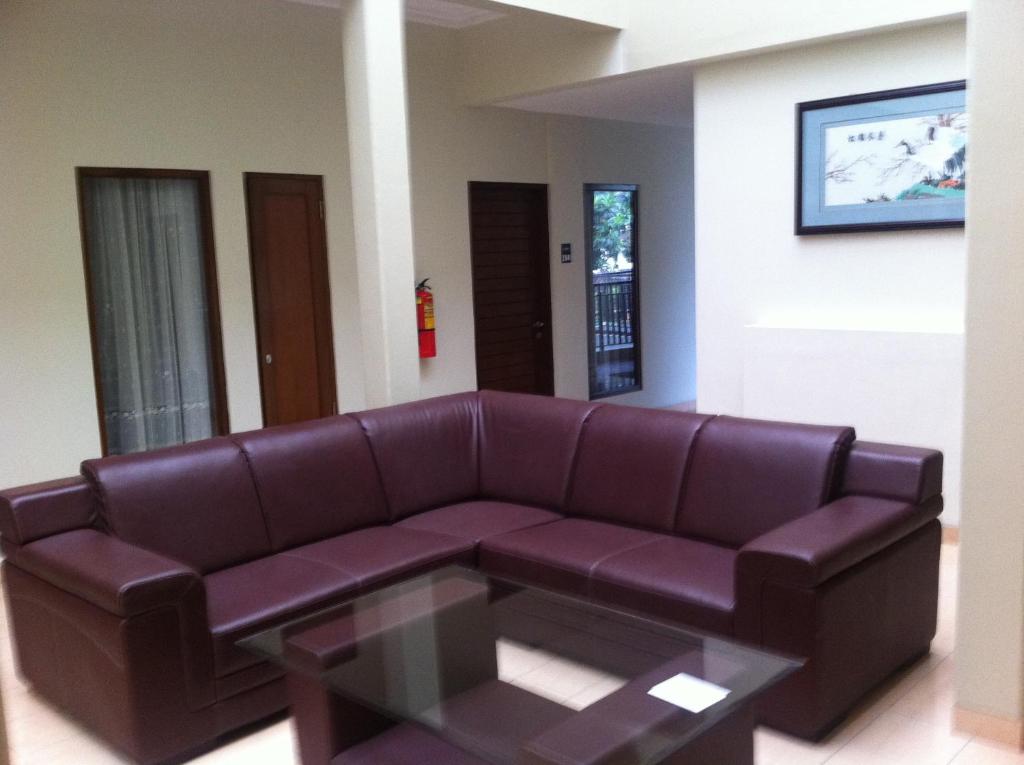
(127, 588)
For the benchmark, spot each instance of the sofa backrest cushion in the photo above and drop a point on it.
(631, 463)
(528, 446)
(194, 503)
(315, 479)
(426, 451)
(750, 476)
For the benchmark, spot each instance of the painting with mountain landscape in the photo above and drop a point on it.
(896, 159)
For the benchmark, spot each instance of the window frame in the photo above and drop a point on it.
(219, 402)
(588, 231)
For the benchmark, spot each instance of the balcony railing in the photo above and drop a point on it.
(613, 311)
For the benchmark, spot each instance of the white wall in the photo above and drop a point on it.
(450, 145)
(895, 386)
(752, 270)
(453, 144)
(990, 634)
(659, 160)
(529, 53)
(229, 87)
(662, 32)
(257, 85)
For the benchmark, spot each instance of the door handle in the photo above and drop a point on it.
(538, 325)
(269, 359)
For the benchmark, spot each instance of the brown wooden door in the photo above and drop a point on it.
(288, 248)
(511, 287)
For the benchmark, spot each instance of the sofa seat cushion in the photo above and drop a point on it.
(559, 555)
(244, 599)
(677, 579)
(379, 555)
(476, 521)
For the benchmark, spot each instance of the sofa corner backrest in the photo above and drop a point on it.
(315, 479)
(39, 510)
(905, 473)
(748, 477)
(631, 465)
(426, 451)
(194, 503)
(528, 446)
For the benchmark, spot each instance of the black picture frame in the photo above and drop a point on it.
(875, 106)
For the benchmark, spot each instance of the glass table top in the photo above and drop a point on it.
(500, 669)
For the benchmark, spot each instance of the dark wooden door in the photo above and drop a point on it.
(288, 248)
(511, 287)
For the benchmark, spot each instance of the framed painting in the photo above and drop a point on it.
(895, 159)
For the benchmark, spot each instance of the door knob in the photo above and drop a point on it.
(269, 359)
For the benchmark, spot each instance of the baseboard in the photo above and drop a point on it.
(990, 727)
(950, 535)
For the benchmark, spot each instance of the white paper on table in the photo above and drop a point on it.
(689, 692)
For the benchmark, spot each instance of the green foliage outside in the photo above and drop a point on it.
(613, 231)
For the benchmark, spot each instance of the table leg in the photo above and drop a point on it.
(325, 723)
(729, 742)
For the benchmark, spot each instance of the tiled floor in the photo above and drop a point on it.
(906, 722)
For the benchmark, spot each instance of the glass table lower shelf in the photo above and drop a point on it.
(457, 667)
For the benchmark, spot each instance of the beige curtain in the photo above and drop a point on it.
(149, 299)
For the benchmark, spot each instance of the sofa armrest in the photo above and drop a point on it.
(906, 473)
(119, 578)
(809, 550)
(28, 513)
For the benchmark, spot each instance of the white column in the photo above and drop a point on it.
(374, 59)
(990, 634)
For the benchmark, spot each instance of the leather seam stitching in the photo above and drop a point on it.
(478, 437)
(531, 559)
(684, 486)
(376, 466)
(99, 492)
(571, 479)
(292, 554)
(256, 485)
(17, 526)
(637, 546)
(59, 616)
(830, 489)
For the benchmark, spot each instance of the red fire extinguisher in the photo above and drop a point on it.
(425, 320)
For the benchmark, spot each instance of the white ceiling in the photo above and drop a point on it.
(439, 13)
(659, 96)
(444, 13)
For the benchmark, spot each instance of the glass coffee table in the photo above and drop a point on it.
(459, 668)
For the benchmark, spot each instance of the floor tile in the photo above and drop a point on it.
(773, 748)
(594, 693)
(893, 739)
(560, 679)
(981, 753)
(516, 659)
(931, 700)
